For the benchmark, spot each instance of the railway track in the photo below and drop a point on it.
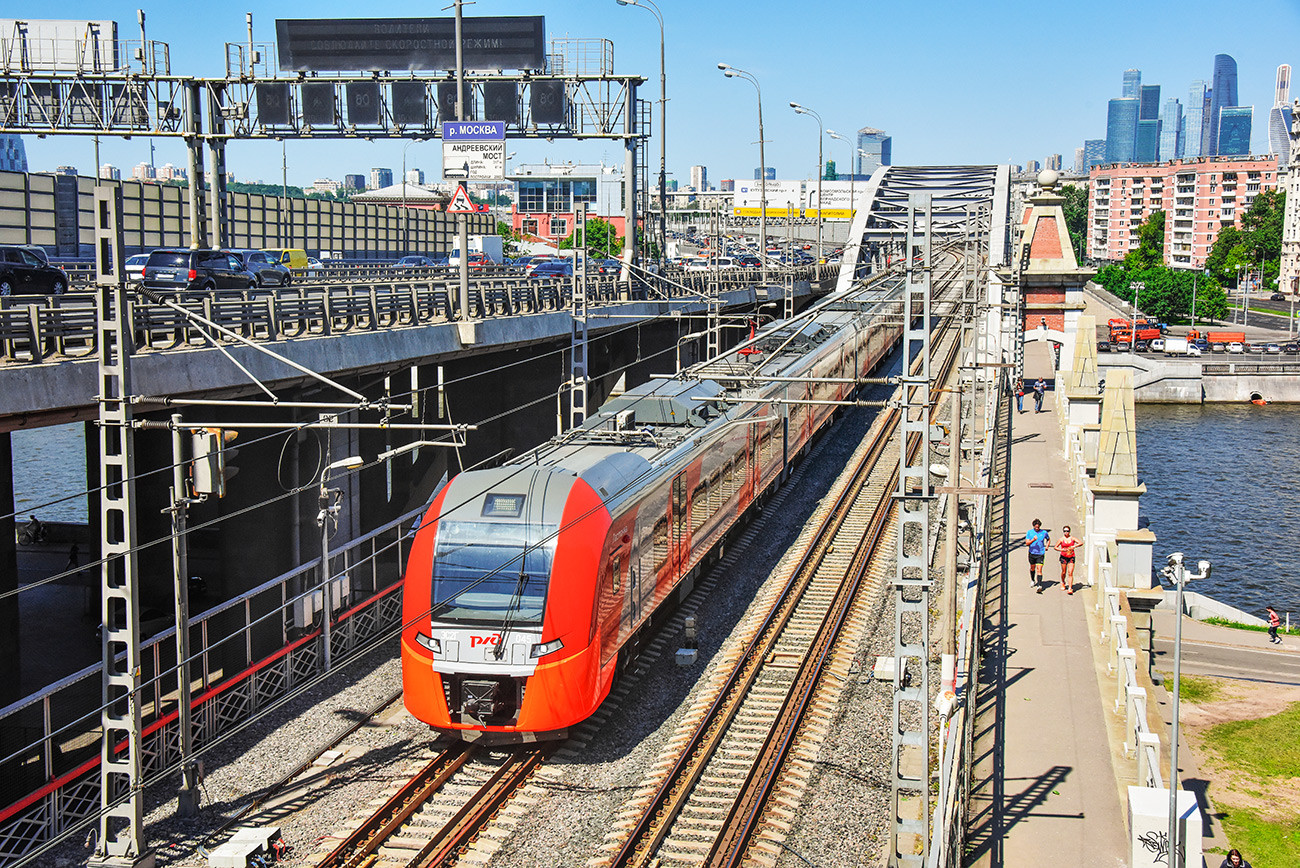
(709, 799)
(439, 812)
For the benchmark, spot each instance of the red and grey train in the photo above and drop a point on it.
(526, 583)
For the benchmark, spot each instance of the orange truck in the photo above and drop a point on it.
(1225, 337)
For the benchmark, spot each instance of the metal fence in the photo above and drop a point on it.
(33, 328)
(249, 653)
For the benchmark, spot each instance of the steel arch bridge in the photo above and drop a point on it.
(959, 194)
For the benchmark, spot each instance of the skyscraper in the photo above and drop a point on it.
(1121, 129)
(1196, 116)
(1132, 83)
(1054, 162)
(771, 173)
(380, 178)
(1223, 94)
(1171, 128)
(1147, 146)
(1094, 153)
(1079, 164)
(879, 149)
(1234, 130)
(699, 177)
(13, 156)
(1279, 118)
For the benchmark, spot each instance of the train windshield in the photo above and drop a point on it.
(488, 574)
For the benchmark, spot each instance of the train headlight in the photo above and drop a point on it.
(546, 648)
(434, 645)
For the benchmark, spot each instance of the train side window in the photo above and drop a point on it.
(615, 575)
(699, 505)
(660, 543)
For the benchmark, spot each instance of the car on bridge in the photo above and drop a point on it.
(411, 262)
(24, 273)
(182, 269)
(551, 268)
(262, 265)
(134, 267)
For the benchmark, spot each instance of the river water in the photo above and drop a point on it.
(1222, 483)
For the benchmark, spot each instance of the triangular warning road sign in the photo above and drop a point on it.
(460, 203)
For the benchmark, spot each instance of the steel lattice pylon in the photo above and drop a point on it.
(578, 345)
(910, 760)
(121, 818)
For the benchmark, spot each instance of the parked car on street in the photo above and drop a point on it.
(1277, 296)
(1103, 346)
(22, 272)
(407, 262)
(206, 270)
(262, 265)
(1272, 349)
(1291, 349)
(1236, 347)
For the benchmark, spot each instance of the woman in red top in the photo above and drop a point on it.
(1066, 546)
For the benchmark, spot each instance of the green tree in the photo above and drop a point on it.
(1076, 217)
(602, 239)
(1257, 244)
(1151, 244)
(509, 240)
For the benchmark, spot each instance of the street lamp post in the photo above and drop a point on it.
(406, 244)
(802, 110)
(852, 174)
(496, 191)
(1137, 286)
(733, 72)
(1180, 577)
(663, 122)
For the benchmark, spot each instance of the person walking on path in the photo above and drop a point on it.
(1066, 546)
(1037, 540)
(1234, 859)
(1040, 389)
(1020, 395)
(1273, 623)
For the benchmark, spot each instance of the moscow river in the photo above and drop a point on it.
(1221, 486)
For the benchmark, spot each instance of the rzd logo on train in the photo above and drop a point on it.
(475, 641)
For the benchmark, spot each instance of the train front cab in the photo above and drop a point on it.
(497, 606)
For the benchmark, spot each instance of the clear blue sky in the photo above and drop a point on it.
(952, 82)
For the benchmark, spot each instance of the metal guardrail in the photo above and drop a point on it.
(1231, 368)
(33, 328)
(249, 652)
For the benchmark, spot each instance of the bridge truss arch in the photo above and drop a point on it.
(958, 193)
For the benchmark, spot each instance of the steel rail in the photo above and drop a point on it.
(657, 818)
(357, 848)
(744, 817)
(461, 830)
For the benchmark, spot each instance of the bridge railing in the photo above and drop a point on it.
(33, 328)
(247, 653)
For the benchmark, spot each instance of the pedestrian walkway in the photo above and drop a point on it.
(1044, 790)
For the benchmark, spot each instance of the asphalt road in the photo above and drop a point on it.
(1248, 664)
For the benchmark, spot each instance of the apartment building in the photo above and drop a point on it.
(1199, 196)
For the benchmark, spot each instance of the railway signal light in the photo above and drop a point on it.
(210, 468)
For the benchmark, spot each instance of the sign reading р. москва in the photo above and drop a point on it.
(377, 44)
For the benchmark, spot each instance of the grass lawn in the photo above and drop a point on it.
(1261, 806)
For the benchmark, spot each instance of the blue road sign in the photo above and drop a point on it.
(481, 131)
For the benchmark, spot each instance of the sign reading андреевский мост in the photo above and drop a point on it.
(377, 44)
